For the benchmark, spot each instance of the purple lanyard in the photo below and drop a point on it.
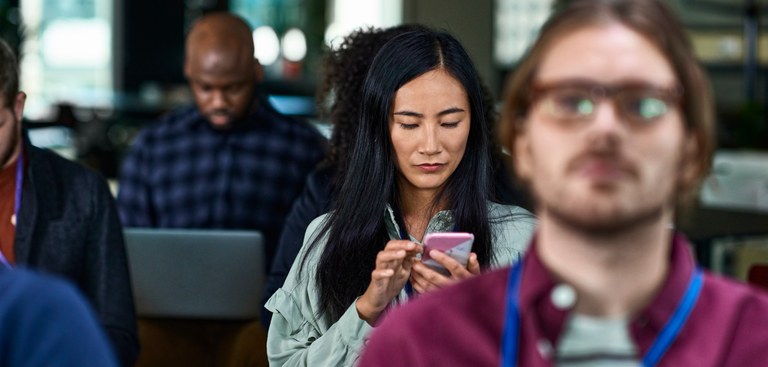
(17, 199)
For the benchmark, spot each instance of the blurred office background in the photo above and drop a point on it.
(96, 71)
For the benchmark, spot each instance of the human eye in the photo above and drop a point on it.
(450, 125)
(646, 106)
(237, 88)
(408, 126)
(570, 103)
(202, 87)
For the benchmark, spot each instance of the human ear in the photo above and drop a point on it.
(690, 169)
(522, 153)
(18, 105)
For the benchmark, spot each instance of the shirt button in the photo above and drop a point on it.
(545, 348)
(563, 296)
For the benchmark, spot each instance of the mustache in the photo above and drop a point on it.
(608, 157)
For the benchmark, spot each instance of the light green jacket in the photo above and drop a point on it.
(298, 337)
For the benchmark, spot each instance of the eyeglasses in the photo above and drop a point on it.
(637, 103)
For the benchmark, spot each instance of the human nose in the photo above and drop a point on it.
(218, 99)
(606, 129)
(430, 141)
(607, 116)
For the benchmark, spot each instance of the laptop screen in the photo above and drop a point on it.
(191, 273)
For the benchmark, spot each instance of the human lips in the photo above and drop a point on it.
(220, 118)
(430, 167)
(602, 168)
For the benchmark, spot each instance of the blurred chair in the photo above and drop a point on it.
(758, 275)
(742, 257)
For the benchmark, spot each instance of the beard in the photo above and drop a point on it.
(608, 223)
(604, 205)
(604, 211)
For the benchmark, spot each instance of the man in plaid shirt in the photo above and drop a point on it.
(231, 161)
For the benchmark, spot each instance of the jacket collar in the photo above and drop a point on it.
(442, 221)
(38, 172)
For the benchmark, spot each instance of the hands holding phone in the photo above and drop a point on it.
(447, 259)
(393, 267)
(425, 278)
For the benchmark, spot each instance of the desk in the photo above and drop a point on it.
(201, 343)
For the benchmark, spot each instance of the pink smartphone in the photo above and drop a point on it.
(457, 245)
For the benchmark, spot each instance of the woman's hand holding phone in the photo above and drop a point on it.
(425, 279)
(447, 259)
(393, 267)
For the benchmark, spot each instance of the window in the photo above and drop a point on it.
(517, 25)
(66, 54)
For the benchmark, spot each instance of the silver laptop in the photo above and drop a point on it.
(190, 273)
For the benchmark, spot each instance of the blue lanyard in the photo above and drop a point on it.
(17, 198)
(404, 236)
(408, 285)
(510, 339)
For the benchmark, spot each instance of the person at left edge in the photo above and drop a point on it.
(45, 322)
(230, 161)
(60, 218)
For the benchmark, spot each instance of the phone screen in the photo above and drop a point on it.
(457, 245)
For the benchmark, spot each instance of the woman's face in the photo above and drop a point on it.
(429, 126)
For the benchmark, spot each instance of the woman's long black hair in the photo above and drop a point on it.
(338, 98)
(356, 227)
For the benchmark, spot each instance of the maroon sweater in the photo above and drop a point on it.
(462, 325)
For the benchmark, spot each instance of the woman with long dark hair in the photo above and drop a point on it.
(421, 163)
(343, 74)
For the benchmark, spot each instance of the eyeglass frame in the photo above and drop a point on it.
(671, 96)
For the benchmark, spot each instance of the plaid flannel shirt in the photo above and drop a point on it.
(182, 173)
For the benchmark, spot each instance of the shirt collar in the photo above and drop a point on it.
(538, 285)
(442, 221)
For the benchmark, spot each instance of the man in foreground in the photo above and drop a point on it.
(609, 119)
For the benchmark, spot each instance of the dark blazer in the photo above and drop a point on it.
(68, 225)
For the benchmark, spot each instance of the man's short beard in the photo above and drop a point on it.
(605, 225)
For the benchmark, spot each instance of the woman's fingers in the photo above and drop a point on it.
(395, 252)
(382, 274)
(393, 265)
(418, 284)
(457, 270)
(390, 256)
(473, 265)
(426, 279)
